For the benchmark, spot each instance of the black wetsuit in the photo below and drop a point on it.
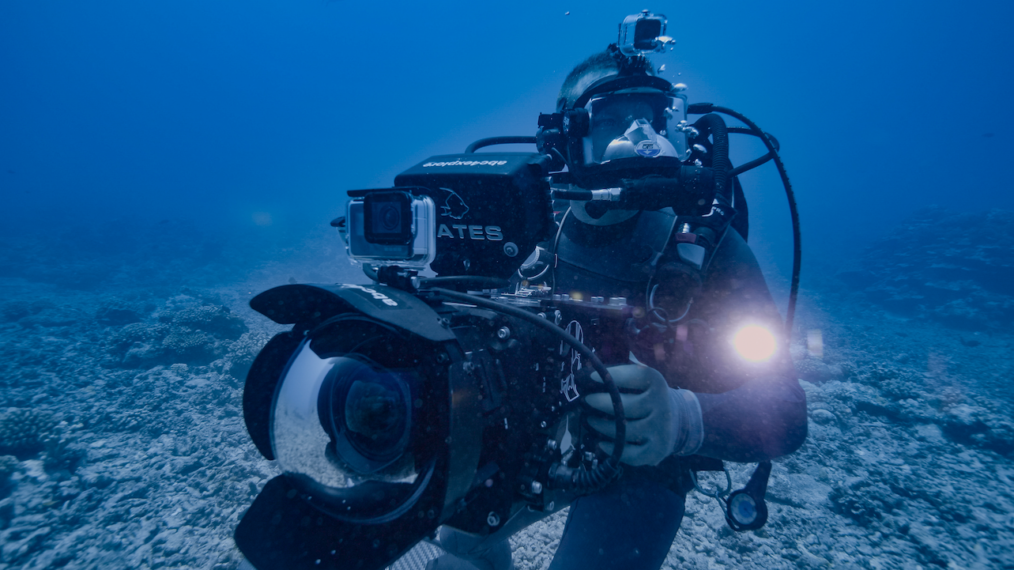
(751, 412)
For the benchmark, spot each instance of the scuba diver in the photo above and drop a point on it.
(709, 377)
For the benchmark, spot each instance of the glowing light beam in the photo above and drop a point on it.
(754, 343)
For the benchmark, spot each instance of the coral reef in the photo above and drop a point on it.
(8, 465)
(11, 312)
(119, 311)
(23, 432)
(187, 312)
(185, 329)
(241, 354)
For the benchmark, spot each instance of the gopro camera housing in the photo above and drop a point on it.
(459, 214)
(391, 227)
(642, 33)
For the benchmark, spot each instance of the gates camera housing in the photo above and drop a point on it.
(461, 214)
(390, 414)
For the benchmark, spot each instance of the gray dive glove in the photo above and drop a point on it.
(660, 420)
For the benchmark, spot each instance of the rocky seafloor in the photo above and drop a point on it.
(122, 443)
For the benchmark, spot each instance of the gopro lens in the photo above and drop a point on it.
(388, 218)
(645, 34)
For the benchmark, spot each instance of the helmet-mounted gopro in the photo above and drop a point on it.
(643, 33)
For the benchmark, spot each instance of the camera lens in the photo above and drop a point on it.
(352, 420)
(390, 218)
(366, 408)
(372, 412)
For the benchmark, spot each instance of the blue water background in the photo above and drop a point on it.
(252, 118)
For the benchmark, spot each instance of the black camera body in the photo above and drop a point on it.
(392, 409)
(490, 409)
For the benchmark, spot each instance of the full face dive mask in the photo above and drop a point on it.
(630, 124)
(640, 139)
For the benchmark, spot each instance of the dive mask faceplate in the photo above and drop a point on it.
(640, 139)
(632, 124)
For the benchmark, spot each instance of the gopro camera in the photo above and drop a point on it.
(391, 227)
(459, 214)
(643, 33)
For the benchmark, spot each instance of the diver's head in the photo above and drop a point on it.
(615, 107)
(594, 69)
(620, 121)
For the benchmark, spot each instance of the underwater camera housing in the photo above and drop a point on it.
(396, 407)
(391, 413)
(460, 214)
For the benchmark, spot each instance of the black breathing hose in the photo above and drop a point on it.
(742, 131)
(607, 470)
(757, 161)
(719, 153)
(771, 144)
(750, 165)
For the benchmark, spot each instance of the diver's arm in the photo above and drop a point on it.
(764, 419)
(705, 398)
(749, 411)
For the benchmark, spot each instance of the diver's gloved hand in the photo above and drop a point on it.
(660, 420)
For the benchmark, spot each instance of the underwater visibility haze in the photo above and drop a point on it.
(161, 164)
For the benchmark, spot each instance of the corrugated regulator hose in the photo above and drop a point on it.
(714, 125)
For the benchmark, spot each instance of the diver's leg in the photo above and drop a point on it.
(465, 553)
(630, 524)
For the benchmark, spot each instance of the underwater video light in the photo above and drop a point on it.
(754, 343)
